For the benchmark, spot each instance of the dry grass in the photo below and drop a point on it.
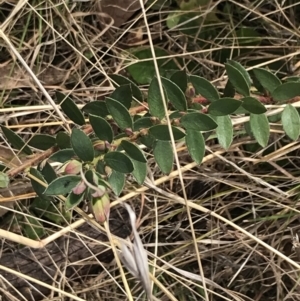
(233, 220)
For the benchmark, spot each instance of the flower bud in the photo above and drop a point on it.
(101, 208)
(190, 91)
(73, 167)
(79, 188)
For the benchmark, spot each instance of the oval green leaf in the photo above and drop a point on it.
(205, 88)
(164, 156)
(70, 108)
(147, 140)
(4, 180)
(63, 140)
(195, 144)
(198, 122)
(133, 151)
(174, 94)
(267, 79)
(229, 90)
(118, 162)
(180, 79)
(117, 182)
(260, 128)
(155, 101)
(101, 128)
(47, 172)
(238, 80)
(42, 141)
(37, 186)
(62, 185)
(122, 80)
(144, 70)
(33, 228)
(142, 123)
(161, 132)
(123, 94)
(252, 105)
(224, 106)
(15, 140)
(291, 122)
(244, 72)
(224, 131)
(82, 145)
(140, 171)
(293, 79)
(73, 200)
(63, 155)
(97, 108)
(286, 91)
(119, 113)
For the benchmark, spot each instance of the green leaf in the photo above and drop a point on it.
(4, 180)
(118, 162)
(63, 155)
(46, 209)
(62, 185)
(140, 171)
(73, 200)
(229, 90)
(122, 80)
(238, 80)
(224, 131)
(123, 94)
(205, 88)
(291, 122)
(82, 145)
(161, 132)
(37, 186)
(252, 105)
(293, 79)
(198, 122)
(267, 79)
(195, 144)
(147, 140)
(70, 108)
(163, 155)
(224, 106)
(92, 177)
(142, 123)
(143, 71)
(155, 101)
(260, 128)
(173, 19)
(47, 172)
(119, 113)
(15, 140)
(117, 182)
(174, 95)
(243, 71)
(101, 128)
(248, 36)
(32, 228)
(178, 114)
(179, 78)
(286, 91)
(41, 141)
(133, 151)
(97, 108)
(63, 140)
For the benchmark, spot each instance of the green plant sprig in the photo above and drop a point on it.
(99, 160)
